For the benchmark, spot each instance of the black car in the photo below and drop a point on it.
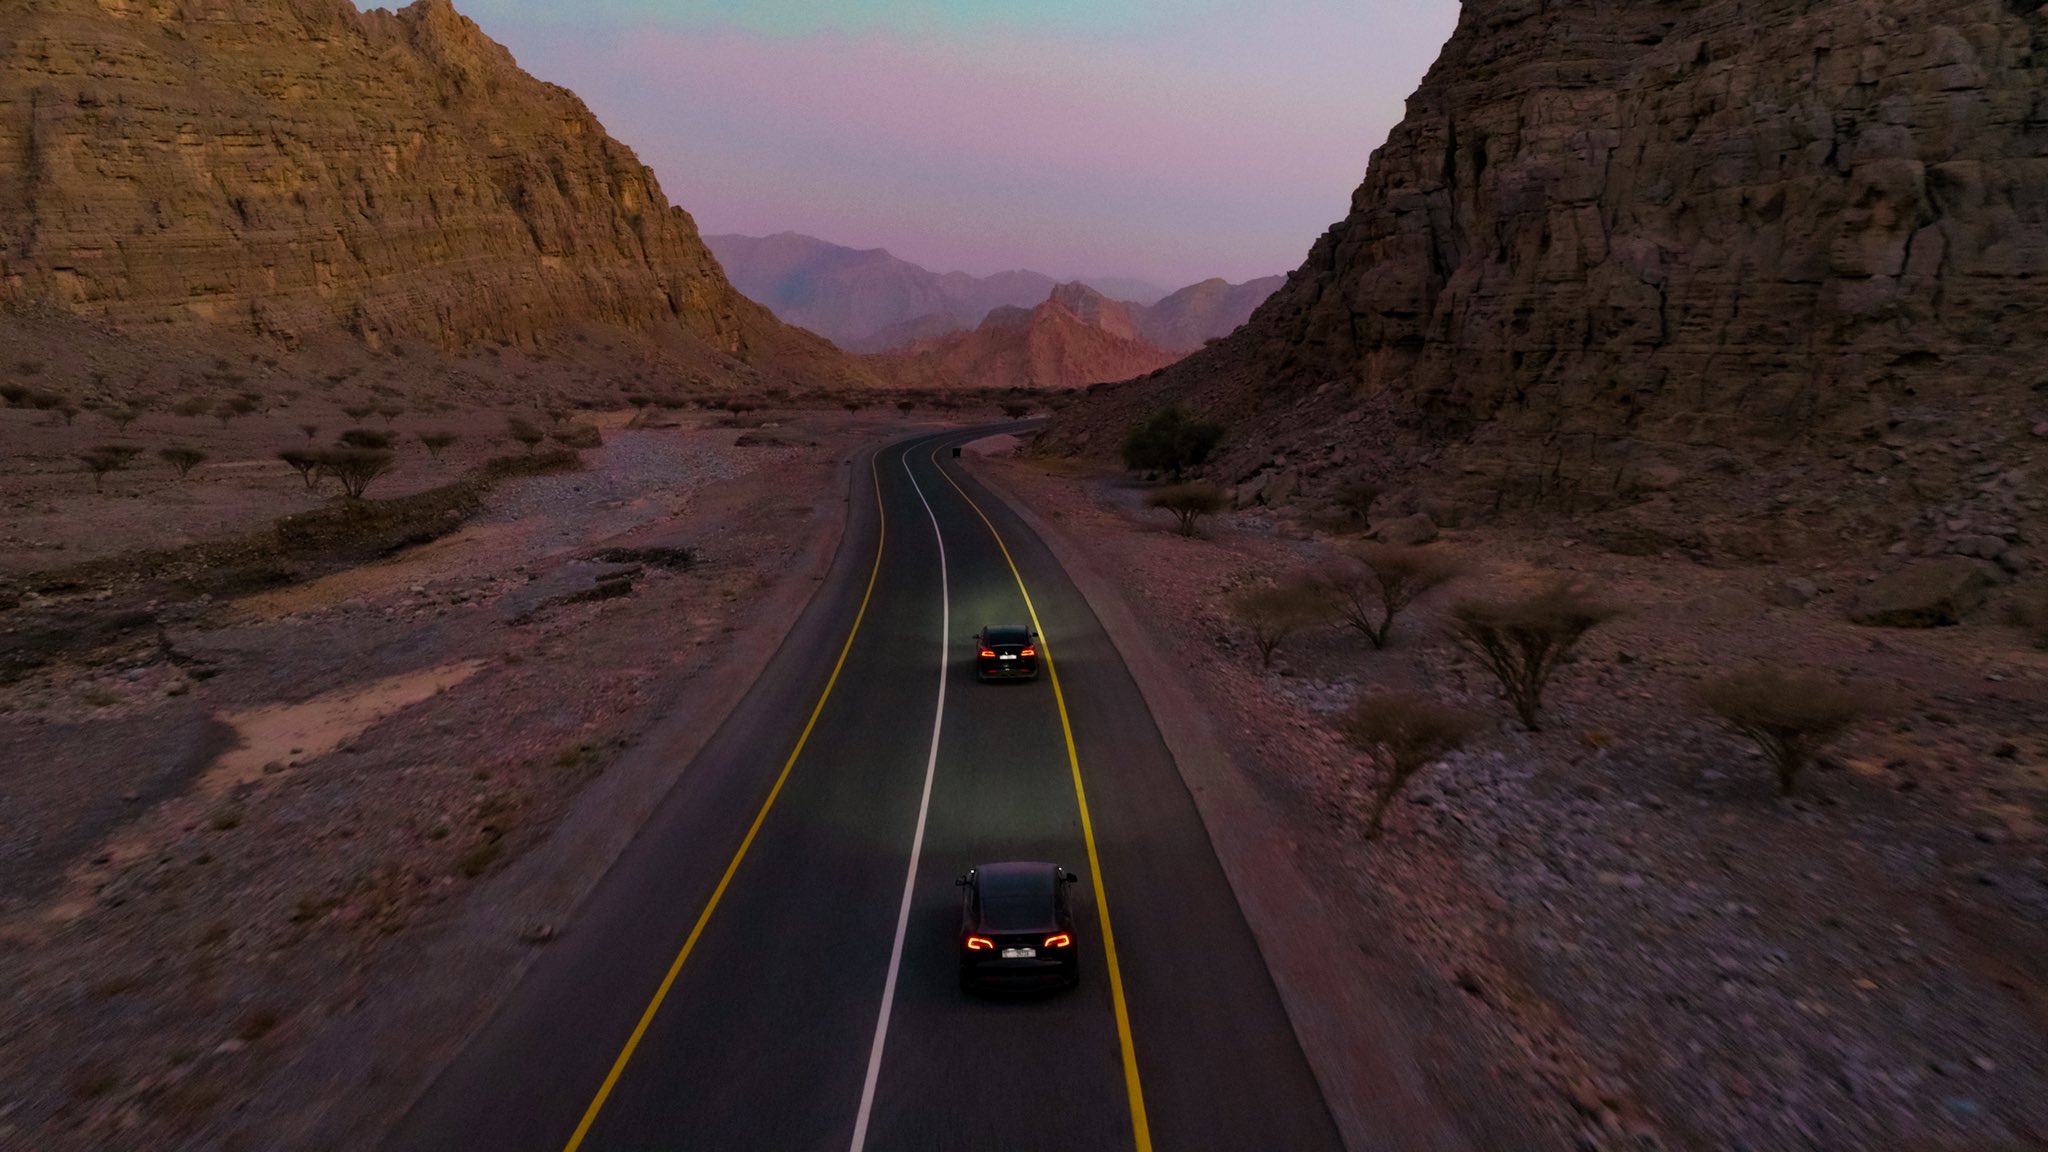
(1006, 652)
(1017, 928)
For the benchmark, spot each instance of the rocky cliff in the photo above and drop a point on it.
(289, 166)
(1612, 243)
(1076, 337)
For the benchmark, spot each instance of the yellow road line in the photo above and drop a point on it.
(611, 1079)
(1141, 1129)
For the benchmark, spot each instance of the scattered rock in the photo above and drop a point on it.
(1408, 530)
(1794, 593)
(1926, 594)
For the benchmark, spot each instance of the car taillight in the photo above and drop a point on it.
(978, 943)
(1028, 652)
(1060, 941)
(988, 651)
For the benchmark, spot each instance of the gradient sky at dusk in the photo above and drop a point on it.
(1166, 139)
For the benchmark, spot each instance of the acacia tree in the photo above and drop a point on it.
(1371, 583)
(306, 463)
(107, 458)
(1401, 733)
(524, 431)
(1171, 441)
(1523, 640)
(1189, 503)
(182, 459)
(437, 441)
(1790, 715)
(1272, 613)
(355, 468)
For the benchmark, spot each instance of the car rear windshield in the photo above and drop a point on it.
(1017, 900)
(1008, 635)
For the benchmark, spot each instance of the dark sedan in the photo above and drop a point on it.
(1006, 652)
(1017, 927)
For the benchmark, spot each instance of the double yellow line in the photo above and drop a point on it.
(1140, 1128)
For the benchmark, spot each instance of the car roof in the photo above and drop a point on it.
(1007, 633)
(1017, 879)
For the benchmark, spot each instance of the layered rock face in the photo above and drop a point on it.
(283, 166)
(1076, 337)
(1606, 232)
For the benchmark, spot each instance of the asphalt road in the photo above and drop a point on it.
(723, 985)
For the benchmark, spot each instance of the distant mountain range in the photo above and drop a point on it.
(1075, 337)
(866, 300)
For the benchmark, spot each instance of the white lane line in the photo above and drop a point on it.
(931, 764)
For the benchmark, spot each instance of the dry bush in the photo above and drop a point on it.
(390, 412)
(437, 441)
(1369, 584)
(355, 468)
(182, 459)
(192, 406)
(365, 438)
(1790, 715)
(1402, 733)
(1016, 411)
(1355, 501)
(15, 394)
(306, 463)
(853, 405)
(524, 431)
(1273, 613)
(358, 411)
(1523, 640)
(107, 458)
(311, 430)
(123, 417)
(1189, 503)
(905, 405)
(578, 436)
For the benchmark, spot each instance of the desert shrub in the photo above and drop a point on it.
(225, 411)
(1355, 501)
(905, 405)
(311, 430)
(358, 411)
(107, 458)
(364, 438)
(1016, 411)
(355, 468)
(390, 412)
(182, 459)
(1370, 584)
(1523, 640)
(123, 417)
(524, 431)
(578, 436)
(1189, 503)
(192, 406)
(437, 441)
(854, 405)
(1272, 613)
(1401, 733)
(1170, 442)
(306, 463)
(1790, 715)
(14, 394)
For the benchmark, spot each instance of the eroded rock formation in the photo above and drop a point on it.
(1706, 230)
(1076, 337)
(292, 165)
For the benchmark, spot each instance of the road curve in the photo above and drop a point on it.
(723, 986)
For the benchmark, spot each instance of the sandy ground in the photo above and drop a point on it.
(268, 866)
(1613, 933)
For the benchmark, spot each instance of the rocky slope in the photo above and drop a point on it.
(1775, 258)
(1199, 313)
(1076, 337)
(287, 167)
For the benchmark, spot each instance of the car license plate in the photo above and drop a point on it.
(1019, 953)
(1006, 657)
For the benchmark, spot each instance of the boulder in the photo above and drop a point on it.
(1924, 594)
(1794, 593)
(1407, 530)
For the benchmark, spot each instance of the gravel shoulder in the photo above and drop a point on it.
(1611, 933)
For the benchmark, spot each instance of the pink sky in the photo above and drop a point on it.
(1220, 142)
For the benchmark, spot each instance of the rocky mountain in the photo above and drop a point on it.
(866, 300)
(1199, 313)
(290, 167)
(1780, 263)
(1077, 336)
